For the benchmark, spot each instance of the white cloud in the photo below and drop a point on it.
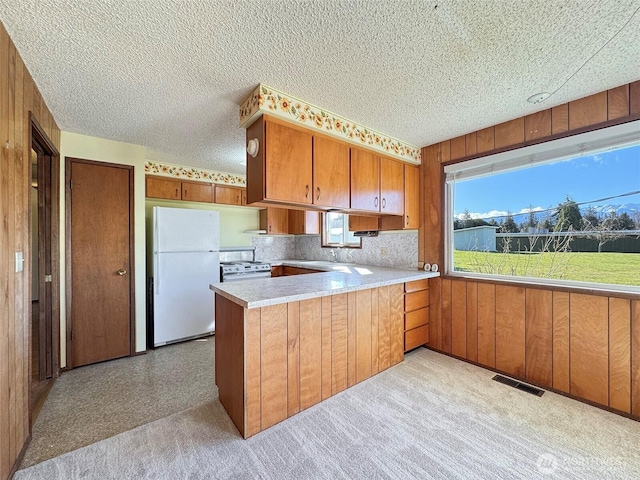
(527, 210)
(476, 215)
(497, 213)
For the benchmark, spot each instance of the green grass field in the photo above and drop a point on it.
(615, 268)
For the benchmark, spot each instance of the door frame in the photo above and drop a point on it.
(68, 247)
(38, 135)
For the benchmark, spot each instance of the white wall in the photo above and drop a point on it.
(92, 148)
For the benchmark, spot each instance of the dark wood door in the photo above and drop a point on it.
(99, 201)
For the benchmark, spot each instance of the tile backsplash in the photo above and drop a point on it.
(387, 250)
(276, 247)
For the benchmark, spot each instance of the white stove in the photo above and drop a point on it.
(235, 265)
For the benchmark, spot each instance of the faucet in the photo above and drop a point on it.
(334, 255)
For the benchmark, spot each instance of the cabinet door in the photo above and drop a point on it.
(197, 192)
(365, 180)
(330, 172)
(228, 195)
(391, 186)
(411, 197)
(361, 223)
(158, 187)
(288, 164)
(274, 220)
(304, 222)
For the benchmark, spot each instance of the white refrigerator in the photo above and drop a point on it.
(186, 259)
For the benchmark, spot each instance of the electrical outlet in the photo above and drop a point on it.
(384, 251)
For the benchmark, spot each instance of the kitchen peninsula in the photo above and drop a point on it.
(284, 344)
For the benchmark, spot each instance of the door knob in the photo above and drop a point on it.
(122, 272)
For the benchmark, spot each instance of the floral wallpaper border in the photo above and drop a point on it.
(265, 99)
(177, 171)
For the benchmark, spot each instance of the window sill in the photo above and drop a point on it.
(625, 291)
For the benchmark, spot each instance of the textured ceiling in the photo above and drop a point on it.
(170, 74)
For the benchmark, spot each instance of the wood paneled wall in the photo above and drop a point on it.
(19, 96)
(299, 353)
(575, 343)
(583, 344)
(325, 345)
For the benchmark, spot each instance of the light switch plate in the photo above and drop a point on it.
(19, 262)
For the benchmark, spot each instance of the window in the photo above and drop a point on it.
(561, 212)
(335, 231)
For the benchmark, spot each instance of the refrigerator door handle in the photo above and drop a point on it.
(156, 269)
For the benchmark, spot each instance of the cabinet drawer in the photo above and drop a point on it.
(416, 285)
(416, 337)
(416, 318)
(287, 270)
(416, 300)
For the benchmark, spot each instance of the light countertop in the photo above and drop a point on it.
(334, 279)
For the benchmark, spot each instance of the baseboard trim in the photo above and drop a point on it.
(136, 354)
(20, 458)
(539, 385)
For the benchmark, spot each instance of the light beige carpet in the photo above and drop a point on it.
(429, 417)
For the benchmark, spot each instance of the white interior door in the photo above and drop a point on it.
(183, 303)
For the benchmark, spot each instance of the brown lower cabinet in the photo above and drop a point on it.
(275, 361)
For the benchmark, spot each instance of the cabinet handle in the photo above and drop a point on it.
(176, 193)
(375, 203)
(306, 191)
(318, 194)
(269, 227)
(186, 194)
(384, 203)
(407, 220)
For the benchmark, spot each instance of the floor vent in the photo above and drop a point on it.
(520, 386)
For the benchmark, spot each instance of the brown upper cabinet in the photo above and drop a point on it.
(411, 217)
(229, 195)
(391, 186)
(297, 167)
(160, 187)
(283, 172)
(411, 196)
(377, 183)
(172, 189)
(365, 180)
(274, 220)
(197, 192)
(304, 222)
(330, 172)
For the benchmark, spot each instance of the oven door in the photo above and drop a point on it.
(236, 277)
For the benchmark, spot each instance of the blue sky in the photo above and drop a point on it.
(583, 179)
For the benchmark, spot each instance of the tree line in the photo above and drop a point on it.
(566, 217)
